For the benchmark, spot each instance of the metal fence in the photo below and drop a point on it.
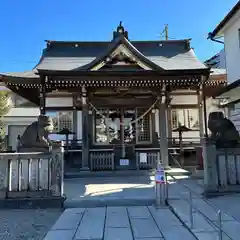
(192, 208)
(36, 174)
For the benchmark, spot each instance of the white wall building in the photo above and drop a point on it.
(229, 30)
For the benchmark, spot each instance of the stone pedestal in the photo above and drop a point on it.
(210, 167)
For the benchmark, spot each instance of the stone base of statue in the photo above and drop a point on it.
(221, 169)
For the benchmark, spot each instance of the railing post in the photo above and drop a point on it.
(166, 190)
(160, 182)
(219, 217)
(62, 168)
(190, 210)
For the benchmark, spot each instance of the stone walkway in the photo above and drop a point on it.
(118, 223)
(113, 191)
(205, 220)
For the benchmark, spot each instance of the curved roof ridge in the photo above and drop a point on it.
(113, 45)
(107, 42)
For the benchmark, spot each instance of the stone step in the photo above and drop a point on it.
(104, 174)
(122, 173)
(109, 202)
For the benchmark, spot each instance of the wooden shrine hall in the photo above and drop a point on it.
(120, 93)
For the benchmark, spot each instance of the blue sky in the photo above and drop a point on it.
(26, 24)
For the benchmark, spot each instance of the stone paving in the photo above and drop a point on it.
(205, 220)
(134, 220)
(99, 192)
(118, 223)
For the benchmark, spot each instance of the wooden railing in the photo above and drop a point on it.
(101, 159)
(147, 158)
(31, 175)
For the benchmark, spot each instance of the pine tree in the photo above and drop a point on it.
(4, 108)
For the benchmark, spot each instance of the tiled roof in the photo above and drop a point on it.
(169, 55)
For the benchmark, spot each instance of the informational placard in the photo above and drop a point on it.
(143, 158)
(124, 162)
(160, 176)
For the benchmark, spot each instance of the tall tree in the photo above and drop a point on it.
(4, 108)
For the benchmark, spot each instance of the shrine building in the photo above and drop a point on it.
(120, 99)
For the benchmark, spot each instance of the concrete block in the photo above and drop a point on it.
(149, 238)
(92, 224)
(117, 217)
(209, 211)
(60, 235)
(139, 212)
(164, 217)
(70, 219)
(145, 228)
(231, 228)
(118, 234)
(200, 223)
(177, 232)
(210, 236)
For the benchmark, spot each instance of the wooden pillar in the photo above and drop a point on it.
(205, 117)
(75, 122)
(169, 122)
(123, 152)
(163, 133)
(85, 125)
(200, 112)
(42, 95)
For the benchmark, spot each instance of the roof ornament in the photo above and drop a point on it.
(120, 31)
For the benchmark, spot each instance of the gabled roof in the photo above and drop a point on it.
(121, 40)
(167, 55)
(223, 23)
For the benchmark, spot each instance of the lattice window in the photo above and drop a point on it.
(174, 119)
(65, 120)
(143, 126)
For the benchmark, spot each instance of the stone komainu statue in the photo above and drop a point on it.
(224, 133)
(35, 137)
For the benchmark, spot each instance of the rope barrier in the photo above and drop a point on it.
(130, 122)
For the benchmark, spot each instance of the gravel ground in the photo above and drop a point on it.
(27, 224)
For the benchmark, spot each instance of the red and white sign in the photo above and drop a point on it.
(160, 176)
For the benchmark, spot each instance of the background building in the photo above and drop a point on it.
(217, 61)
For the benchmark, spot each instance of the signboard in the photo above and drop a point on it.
(124, 162)
(160, 176)
(143, 158)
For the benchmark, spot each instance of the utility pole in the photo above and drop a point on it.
(165, 31)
